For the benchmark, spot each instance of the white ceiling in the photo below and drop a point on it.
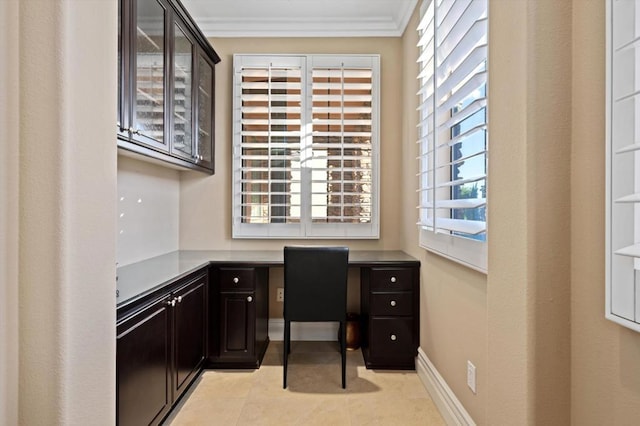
(301, 18)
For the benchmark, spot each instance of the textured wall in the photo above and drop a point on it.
(605, 373)
(67, 173)
(9, 196)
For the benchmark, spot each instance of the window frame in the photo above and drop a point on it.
(458, 248)
(306, 228)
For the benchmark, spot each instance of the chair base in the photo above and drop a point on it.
(287, 350)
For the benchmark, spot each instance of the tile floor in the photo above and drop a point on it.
(314, 395)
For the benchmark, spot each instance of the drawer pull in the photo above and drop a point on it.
(236, 280)
(393, 279)
(393, 337)
(249, 299)
(393, 303)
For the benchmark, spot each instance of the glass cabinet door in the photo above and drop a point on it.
(149, 92)
(205, 112)
(182, 113)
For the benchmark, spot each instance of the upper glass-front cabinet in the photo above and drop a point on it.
(161, 92)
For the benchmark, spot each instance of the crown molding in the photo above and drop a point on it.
(309, 27)
(270, 20)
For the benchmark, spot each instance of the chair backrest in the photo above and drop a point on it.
(315, 283)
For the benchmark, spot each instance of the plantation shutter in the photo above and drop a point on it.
(270, 126)
(453, 140)
(623, 164)
(342, 143)
(453, 122)
(305, 146)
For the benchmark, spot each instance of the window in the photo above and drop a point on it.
(453, 137)
(305, 146)
(623, 164)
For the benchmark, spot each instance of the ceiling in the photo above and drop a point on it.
(301, 18)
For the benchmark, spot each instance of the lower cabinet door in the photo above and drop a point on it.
(190, 332)
(237, 325)
(143, 363)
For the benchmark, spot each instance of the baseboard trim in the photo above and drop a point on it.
(318, 331)
(450, 407)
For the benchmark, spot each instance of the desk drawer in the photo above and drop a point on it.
(390, 279)
(232, 279)
(391, 337)
(391, 304)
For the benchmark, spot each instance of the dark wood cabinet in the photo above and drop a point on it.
(239, 334)
(142, 365)
(166, 85)
(389, 304)
(190, 332)
(160, 349)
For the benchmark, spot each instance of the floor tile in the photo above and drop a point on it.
(314, 395)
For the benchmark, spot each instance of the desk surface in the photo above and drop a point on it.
(145, 277)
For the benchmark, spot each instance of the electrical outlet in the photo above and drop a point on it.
(471, 376)
(280, 294)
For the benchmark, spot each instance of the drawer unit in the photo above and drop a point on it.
(389, 304)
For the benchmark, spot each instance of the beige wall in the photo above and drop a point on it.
(205, 202)
(535, 328)
(9, 196)
(513, 324)
(605, 372)
(453, 316)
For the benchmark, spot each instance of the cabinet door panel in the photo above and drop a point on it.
(149, 80)
(190, 332)
(237, 326)
(205, 112)
(142, 366)
(183, 144)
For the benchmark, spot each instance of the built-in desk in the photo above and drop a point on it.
(389, 305)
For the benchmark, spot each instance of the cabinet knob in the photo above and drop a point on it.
(393, 279)
(393, 337)
(236, 280)
(393, 303)
(171, 302)
(249, 298)
(179, 299)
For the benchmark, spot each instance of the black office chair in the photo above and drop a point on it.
(315, 290)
